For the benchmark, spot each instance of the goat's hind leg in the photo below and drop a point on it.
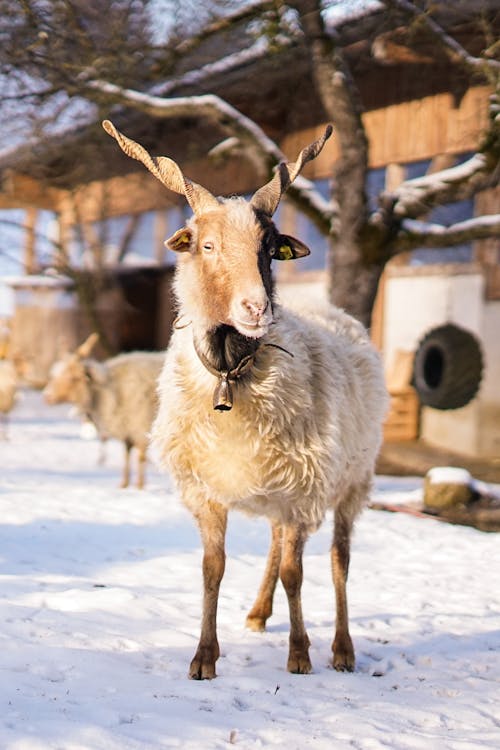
(342, 647)
(212, 521)
(263, 605)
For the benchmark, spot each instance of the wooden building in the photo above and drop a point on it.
(418, 108)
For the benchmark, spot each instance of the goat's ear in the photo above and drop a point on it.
(180, 242)
(289, 248)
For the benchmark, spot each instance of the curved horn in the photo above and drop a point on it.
(166, 170)
(268, 197)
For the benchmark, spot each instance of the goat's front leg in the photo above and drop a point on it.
(294, 539)
(343, 650)
(212, 521)
(263, 606)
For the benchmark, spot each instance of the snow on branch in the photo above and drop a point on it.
(261, 149)
(225, 22)
(323, 213)
(256, 51)
(414, 233)
(415, 197)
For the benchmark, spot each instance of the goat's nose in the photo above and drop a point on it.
(256, 308)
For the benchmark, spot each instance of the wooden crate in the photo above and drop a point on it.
(402, 421)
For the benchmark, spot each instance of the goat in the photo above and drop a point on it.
(294, 426)
(118, 396)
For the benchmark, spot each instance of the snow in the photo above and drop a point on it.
(456, 475)
(100, 593)
(449, 475)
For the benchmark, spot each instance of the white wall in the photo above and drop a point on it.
(417, 299)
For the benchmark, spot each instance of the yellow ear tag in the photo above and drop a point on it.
(183, 239)
(286, 252)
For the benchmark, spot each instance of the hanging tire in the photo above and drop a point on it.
(448, 367)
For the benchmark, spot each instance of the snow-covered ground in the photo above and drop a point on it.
(100, 603)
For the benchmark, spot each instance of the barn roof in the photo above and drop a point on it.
(275, 90)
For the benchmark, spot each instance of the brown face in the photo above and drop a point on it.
(224, 272)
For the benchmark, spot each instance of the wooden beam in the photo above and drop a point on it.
(394, 175)
(134, 193)
(29, 263)
(139, 192)
(22, 191)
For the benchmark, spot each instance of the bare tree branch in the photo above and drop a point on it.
(415, 197)
(222, 24)
(232, 122)
(128, 235)
(56, 247)
(448, 42)
(256, 51)
(415, 234)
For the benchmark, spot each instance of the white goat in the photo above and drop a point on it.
(118, 396)
(309, 399)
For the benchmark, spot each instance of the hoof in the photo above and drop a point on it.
(341, 664)
(257, 624)
(202, 666)
(343, 656)
(200, 671)
(298, 657)
(299, 665)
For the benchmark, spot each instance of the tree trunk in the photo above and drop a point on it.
(352, 285)
(353, 264)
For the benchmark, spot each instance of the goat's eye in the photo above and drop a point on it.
(208, 246)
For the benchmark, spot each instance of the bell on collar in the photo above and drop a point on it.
(223, 394)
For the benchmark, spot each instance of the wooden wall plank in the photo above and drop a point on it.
(411, 131)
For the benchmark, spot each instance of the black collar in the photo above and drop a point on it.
(223, 393)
